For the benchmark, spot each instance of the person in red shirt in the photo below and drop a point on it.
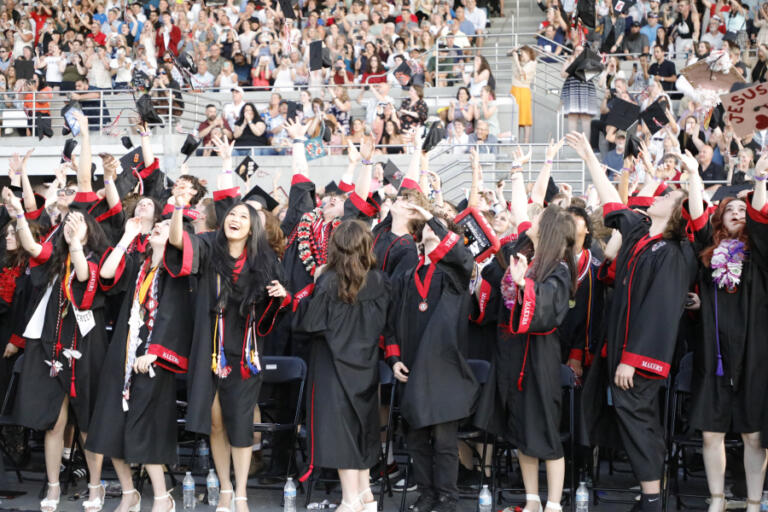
(40, 14)
(97, 35)
(407, 15)
(168, 37)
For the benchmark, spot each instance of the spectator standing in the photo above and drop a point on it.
(339, 107)
(413, 110)
(650, 29)
(250, 133)
(122, 67)
(54, 65)
(232, 110)
(215, 60)
(663, 69)
(480, 77)
(523, 74)
(578, 96)
(635, 42)
(713, 36)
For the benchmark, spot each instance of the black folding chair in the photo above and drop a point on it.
(467, 434)
(6, 418)
(278, 370)
(678, 442)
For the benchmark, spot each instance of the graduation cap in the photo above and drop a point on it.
(586, 66)
(403, 74)
(190, 146)
(246, 168)
(315, 55)
(293, 107)
(433, 135)
(134, 159)
(141, 81)
(69, 147)
(731, 191)
(25, 69)
(126, 140)
(622, 114)
(43, 126)
(332, 188)
(655, 116)
(261, 196)
(287, 8)
(622, 6)
(632, 146)
(146, 111)
(393, 175)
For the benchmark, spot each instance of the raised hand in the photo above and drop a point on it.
(518, 266)
(418, 212)
(296, 130)
(366, 148)
(553, 148)
(761, 167)
(579, 143)
(353, 153)
(132, 227)
(110, 165)
(520, 157)
(12, 203)
(223, 146)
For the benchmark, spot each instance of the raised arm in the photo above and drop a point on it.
(296, 131)
(477, 179)
(519, 201)
(108, 269)
(695, 185)
(28, 242)
(146, 144)
(176, 234)
(18, 166)
(539, 191)
(363, 181)
(578, 141)
(75, 230)
(224, 148)
(110, 165)
(85, 160)
(761, 173)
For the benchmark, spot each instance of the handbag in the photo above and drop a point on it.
(314, 146)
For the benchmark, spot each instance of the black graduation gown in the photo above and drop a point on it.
(732, 402)
(651, 282)
(238, 392)
(485, 306)
(111, 219)
(579, 332)
(40, 396)
(441, 387)
(523, 395)
(146, 432)
(15, 292)
(394, 254)
(342, 386)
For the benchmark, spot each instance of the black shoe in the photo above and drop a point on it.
(469, 478)
(445, 504)
(425, 502)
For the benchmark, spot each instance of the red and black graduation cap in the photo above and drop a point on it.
(261, 196)
(392, 174)
(134, 159)
(332, 189)
(622, 114)
(433, 136)
(146, 111)
(315, 55)
(622, 6)
(655, 116)
(726, 191)
(246, 168)
(126, 141)
(25, 69)
(403, 74)
(632, 146)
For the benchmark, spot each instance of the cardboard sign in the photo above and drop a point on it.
(747, 109)
(701, 76)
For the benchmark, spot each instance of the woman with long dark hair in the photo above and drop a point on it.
(65, 342)
(345, 316)
(729, 378)
(134, 420)
(249, 131)
(527, 357)
(237, 301)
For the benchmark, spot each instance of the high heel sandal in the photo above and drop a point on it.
(48, 504)
(349, 506)
(239, 498)
(169, 497)
(96, 504)
(535, 498)
(231, 506)
(553, 506)
(368, 506)
(137, 506)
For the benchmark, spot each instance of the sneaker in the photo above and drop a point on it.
(445, 504)
(391, 470)
(399, 486)
(424, 503)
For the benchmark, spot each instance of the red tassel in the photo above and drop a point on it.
(244, 372)
(520, 381)
(72, 391)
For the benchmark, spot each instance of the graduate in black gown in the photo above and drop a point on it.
(730, 354)
(134, 421)
(345, 316)
(65, 342)
(622, 390)
(238, 297)
(427, 324)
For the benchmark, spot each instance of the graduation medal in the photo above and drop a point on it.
(423, 286)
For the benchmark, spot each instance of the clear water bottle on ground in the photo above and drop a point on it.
(582, 498)
(764, 502)
(212, 484)
(203, 456)
(289, 496)
(484, 500)
(188, 486)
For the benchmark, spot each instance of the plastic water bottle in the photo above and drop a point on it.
(289, 496)
(188, 486)
(582, 498)
(203, 456)
(764, 502)
(212, 484)
(484, 500)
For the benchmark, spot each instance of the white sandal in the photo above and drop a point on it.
(553, 506)
(169, 497)
(368, 506)
(534, 498)
(96, 504)
(239, 498)
(231, 506)
(48, 504)
(137, 506)
(349, 506)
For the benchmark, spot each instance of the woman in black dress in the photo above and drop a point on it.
(729, 377)
(345, 316)
(250, 131)
(237, 300)
(134, 421)
(65, 341)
